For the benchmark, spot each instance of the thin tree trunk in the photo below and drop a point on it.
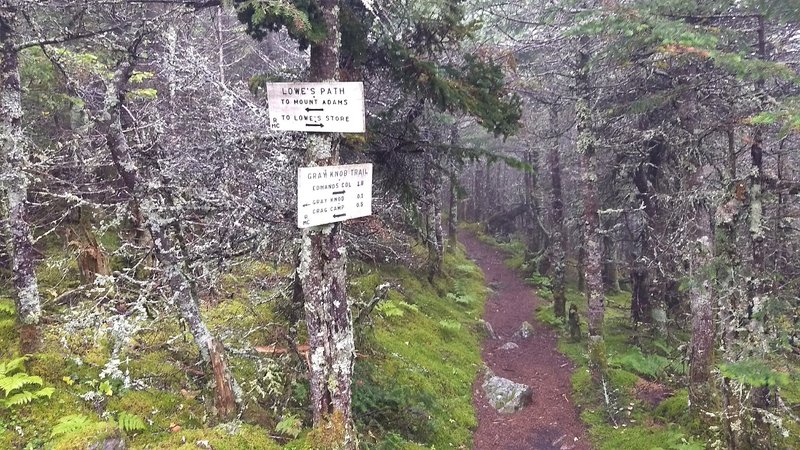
(592, 241)
(322, 276)
(432, 187)
(452, 215)
(167, 253)
(610, 268)
(559, 237)
(476, 192)
(700, 255)
(731, 305)
(15, 184)
(758, 289)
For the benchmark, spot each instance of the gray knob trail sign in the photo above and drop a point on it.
(334, 107)
(328, 194)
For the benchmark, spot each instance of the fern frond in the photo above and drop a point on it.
(12, 366)
(18, 381)
(20, 398)
(7, 309)
(45, 392)
(71, 423)
(130, 422)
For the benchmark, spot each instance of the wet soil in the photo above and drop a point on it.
(551, 421)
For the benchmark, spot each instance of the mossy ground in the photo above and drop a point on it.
(619, 418)
(423, 354)
(619, 415)
(419, 353)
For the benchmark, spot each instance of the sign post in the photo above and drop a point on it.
(328, 194)
(333, 107)
(325, 194)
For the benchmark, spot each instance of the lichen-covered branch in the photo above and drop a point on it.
(14, 182)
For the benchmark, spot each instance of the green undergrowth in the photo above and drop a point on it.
(640, 405)
(516, 258)
(133, 374)
(422, 354)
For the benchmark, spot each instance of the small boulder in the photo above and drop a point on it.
(525, 331)
(505, 395)
(110, 443)
(508, 346)
(489, 329)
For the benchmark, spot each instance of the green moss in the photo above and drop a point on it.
(642, 438)
(237, 316)
(6, 439)
(628, 423)
(428, 386)
(674, 409)
(39, 417)
(9, 342)
(161, 408)
(155, 368)
(49, 365)
(243, 437)
(59, 271)
(621, 379)
(83, 438)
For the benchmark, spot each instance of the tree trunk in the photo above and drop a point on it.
(732, 310)
(648, 303)
(592, 241)
(322, 276)
(476, 189)
(700, 255)
(452, 214)
(759, 285)
(432, 203)
(610, 268)
(452, 221)
(15, 184)
(167, 253)
(559, 237)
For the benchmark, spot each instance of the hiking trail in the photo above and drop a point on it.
(550, 421)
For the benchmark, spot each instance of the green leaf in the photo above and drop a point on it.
(70, 424)
(105, 388)
(290, 425)
(7, 309)
(143, 94)
(12, 366)
(45, 392)
(651, 366)
(450, 325)
(754, 373)
(130, 422)
(17, 381)
(20, 398)
(390, 309)
(139, 77)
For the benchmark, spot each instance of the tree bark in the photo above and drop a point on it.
(732, 309)
(759, 286)
(167, 253)
(322, 276)
(610, 267)
(432, 203)
(452, 221)
(452, 215)
(15, 183)
(592, 241)
(700, 255)
(559, 237)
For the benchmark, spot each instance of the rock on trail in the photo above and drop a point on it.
(530, 379)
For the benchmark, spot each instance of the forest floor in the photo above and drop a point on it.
(551, 421)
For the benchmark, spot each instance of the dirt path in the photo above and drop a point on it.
(551, 422)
